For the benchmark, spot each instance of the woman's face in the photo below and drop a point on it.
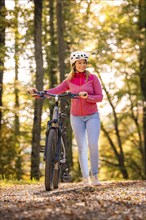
(80, 65)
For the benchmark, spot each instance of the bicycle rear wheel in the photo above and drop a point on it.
(50, 158)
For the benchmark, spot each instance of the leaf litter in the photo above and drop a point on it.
(122, 200)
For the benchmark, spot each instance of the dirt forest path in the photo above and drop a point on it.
(125, 200)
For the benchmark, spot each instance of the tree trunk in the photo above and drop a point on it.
(51, 50)
(2, 52)
(18, 164)
(142, 61)
(35, 156)
(60, 34)
(118, 153)
(61, 55)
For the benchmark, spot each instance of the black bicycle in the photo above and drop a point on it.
(55, 155)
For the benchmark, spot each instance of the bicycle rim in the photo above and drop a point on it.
(50, 159)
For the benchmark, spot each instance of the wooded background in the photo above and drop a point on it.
(36, 39)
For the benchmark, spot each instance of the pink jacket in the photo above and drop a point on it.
(80, 106)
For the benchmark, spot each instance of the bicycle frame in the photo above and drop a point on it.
(55, 149)
(56, 122)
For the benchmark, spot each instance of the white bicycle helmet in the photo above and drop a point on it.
(78, 55)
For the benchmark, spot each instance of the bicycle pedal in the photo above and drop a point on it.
(66, 178)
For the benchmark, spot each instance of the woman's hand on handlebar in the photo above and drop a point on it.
(83, 95)
(33, 92)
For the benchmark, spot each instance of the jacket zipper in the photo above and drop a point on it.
(81, 99)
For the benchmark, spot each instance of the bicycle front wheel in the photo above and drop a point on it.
(56, 178)
(50, 158)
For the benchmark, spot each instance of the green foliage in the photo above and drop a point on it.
(8, 153)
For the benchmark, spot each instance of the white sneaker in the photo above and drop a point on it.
(86, 182)
(95, 181)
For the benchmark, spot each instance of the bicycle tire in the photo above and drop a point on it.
(56, 178)
(50, 158)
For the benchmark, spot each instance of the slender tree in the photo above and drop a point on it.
(35, 155)
(61, 7)
(142, 61)
(2, 51)
(118, 147)
(16, 93)
(60, 34)
(50, 49)
(16, 58)
(52, 66)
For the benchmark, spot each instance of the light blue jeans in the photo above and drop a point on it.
(86, 130)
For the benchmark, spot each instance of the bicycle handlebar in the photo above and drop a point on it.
(43, 94)
(69, 94)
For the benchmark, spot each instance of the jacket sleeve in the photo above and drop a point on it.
(97, 96)
(61, 88)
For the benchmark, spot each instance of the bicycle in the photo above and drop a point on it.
(55, 155)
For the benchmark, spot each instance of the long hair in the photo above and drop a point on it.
(73, 71)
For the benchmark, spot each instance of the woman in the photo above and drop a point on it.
(84, 112)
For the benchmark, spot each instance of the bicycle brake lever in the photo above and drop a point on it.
(73, 96)
(39, 94)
